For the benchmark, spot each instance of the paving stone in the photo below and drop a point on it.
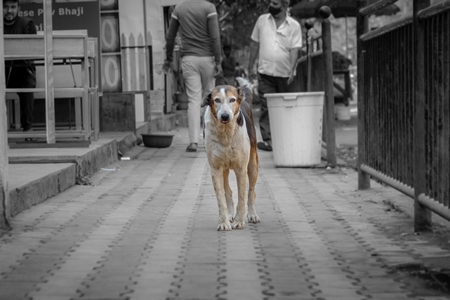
(200, 287)
(108, 287)
(15, 290)
(241, 288)
(158, 286)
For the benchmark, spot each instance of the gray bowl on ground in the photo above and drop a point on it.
(157, 140)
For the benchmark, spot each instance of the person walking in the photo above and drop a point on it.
(20, 73)
(198, 24)
(228, 66)
(276, 40)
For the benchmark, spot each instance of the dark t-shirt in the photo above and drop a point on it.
(23, 73)
(199, 29)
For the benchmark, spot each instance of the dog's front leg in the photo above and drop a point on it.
(217, 179)
(229, 195)
(252, 177)
(241, 177)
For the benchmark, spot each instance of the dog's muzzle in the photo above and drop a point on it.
(225, 118)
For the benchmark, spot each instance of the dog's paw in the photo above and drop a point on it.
(231, 214)
(254, 219)
(226, 226)
(238, 225)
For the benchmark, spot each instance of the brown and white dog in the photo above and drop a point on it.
(230, 142)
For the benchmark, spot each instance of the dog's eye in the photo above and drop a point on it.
(217, 100)
(232, 99)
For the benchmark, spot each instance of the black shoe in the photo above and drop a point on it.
(265, 146)
(192, 147)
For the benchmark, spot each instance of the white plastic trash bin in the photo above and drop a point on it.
(296, 128)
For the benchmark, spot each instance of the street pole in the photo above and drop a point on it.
(362, 27)
(422, 215)
(325, 13)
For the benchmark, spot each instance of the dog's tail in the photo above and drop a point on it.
(243, 81)
(246, 88)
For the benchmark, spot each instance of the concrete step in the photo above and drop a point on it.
(34, 175)
(31, 184)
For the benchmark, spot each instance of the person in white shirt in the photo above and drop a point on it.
(276, 40)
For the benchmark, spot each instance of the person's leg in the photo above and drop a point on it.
(282, 86)
(266, 85)
(208, 82)
(207, 74)
(26, 110)
(192, 77)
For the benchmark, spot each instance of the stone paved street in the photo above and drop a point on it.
(146, 229)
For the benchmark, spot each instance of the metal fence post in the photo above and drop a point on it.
(361, 28)
(325, 12)
(422, 216)
(308, 26)
(49, 73)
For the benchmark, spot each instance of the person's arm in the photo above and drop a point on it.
(254, 50)
(214, 33)
(30, 28)
(170, 43)
(293, 54)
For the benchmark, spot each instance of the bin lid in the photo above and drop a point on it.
(293, 96)
(296, 99)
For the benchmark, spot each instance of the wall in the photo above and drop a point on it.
(133, 45)
(171, 2)
(4, 193)
(111, 71)
(156, 33)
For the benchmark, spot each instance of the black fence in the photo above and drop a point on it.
(389, 102)
(404, 106)
(436, 27)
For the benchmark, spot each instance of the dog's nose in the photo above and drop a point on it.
(225, 117)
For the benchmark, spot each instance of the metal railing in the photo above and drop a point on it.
(404, 106)
(388, 101)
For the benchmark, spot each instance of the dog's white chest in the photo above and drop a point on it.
(222, 147)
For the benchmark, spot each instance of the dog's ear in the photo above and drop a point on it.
(241, 94)
(245, 93)
(206, 100)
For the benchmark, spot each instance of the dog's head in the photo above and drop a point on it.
(224, 102)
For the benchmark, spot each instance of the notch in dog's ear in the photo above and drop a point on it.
(245, 93)
(206, 100)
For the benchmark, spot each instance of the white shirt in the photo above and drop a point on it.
(275, 44)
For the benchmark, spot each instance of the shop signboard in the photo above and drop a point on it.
(67, 15)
